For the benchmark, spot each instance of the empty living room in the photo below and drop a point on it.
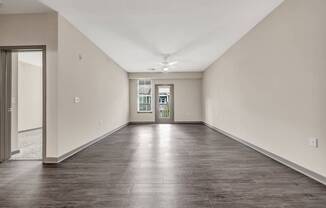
(163, 103)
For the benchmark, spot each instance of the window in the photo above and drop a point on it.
(144, 94)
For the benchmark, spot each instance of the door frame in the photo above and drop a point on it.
(22, 48)
(157, 105)
(5, 105)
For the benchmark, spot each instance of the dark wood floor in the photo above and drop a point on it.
(153, 166)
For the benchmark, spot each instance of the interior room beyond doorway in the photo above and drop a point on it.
(26, 122)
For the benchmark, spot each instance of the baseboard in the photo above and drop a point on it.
(141, 122)
(54, 160)
(294, 166)
(175, 122)
(50, 160)
(27, 130)
(188, 122)
(15, 152)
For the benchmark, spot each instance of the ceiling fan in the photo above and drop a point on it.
(166, 64)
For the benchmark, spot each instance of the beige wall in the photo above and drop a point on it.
(100, 83)
(30, 99)
(187, 106)
(269, 89)
(86, 72)
(37, 29)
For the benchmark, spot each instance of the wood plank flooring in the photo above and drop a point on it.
(154, 166)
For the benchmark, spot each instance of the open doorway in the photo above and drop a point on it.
(26, 96)
(23, 73)
(164, 107)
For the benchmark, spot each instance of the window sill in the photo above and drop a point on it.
(144, 112)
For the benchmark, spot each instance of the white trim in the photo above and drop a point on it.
(165, 76)
(51, 160)
(292, 165)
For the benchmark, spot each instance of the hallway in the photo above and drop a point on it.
(180, 165)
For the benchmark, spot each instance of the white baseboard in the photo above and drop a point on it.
(174, 122)
(54, 160)
(294, 166)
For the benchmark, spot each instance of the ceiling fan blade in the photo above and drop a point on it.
(168, 63)
(172, 63)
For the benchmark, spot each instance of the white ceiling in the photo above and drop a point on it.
(137, 33)
(22, 7)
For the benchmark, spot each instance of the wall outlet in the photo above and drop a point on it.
(313, 142)
(76, 99)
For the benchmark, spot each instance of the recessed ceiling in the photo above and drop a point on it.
(22, 7)
(137, 34)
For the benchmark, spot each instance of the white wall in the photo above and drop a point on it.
(269, 89)
(86, 72)
(37, 29)
(30, 99)
(187, 95)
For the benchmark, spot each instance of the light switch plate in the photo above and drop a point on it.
(77, 100)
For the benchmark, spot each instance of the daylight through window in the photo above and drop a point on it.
(144, 95)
